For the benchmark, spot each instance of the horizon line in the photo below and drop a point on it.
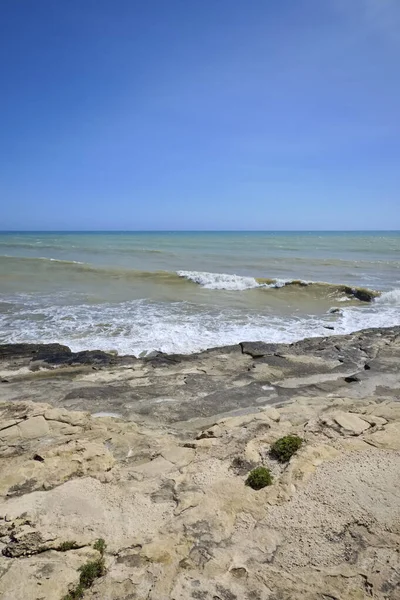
(197, 230)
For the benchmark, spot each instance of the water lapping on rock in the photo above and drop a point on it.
(140, 326)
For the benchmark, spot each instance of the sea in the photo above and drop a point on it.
(182, 292)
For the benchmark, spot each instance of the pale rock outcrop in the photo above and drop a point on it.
(351, 423)
(167, 491)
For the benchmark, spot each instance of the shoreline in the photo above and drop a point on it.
(182, 388)
(62, 351)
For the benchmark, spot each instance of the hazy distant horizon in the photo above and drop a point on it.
(41, 231)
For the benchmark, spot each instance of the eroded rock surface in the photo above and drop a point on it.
(164, 485)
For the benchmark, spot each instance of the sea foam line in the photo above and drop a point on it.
(220, 281)
(43, 258)
(136, 327)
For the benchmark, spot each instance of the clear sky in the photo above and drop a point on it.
(200, 114)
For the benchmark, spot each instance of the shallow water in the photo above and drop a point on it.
(186, 291)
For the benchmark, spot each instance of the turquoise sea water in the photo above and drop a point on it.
(185, 291)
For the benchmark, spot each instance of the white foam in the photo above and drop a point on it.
(392, 297)
(57, 260)
(384, 311)
(220, 281)
(279, 283)
(140, 326)
(44, 258)
(226, 281)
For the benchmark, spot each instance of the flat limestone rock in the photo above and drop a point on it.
(389, 437)
(33, 428)
(66, 416)
(48, 577)
(272, 413)
(351, 423)
(155, 468)
(374, 421)
(165, 483)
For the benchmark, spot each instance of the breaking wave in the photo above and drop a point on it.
(225, 281)
(206, 280)
(392, 297)
(220, 281)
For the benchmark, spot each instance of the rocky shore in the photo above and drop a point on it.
(151, 455)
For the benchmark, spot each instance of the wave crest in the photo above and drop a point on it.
(225, 281)
(220, 281)
(207, 280)
(392, 297)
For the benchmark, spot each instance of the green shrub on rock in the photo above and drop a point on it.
(259, 478)
(284, 448)
(89, 572)
(100, 546)
(68, 545)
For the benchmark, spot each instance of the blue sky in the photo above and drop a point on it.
(213, 114)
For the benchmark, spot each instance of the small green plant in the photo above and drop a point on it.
(284, 448)
(89, 572)
(100, 546)
(259, 478)
(68, 545)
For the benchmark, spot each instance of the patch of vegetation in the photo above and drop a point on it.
(68, 545)
(284, 448)
(100, 546)
(89, 572)
(259, 478)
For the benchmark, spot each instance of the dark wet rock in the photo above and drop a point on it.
(87, 357)
(259, 349)
(53, 356)
(34, 351)
(56, 355)
(160, 359)
(361, 294)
